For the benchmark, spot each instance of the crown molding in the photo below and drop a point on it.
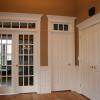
(19, 16)
(55, 18)
(89, 22)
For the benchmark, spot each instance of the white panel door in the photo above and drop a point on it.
(84, 68)
(88, 61)
(97, 65)
(91, 61)
(61, 59)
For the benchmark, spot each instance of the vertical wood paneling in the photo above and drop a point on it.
(44, 80)
(89, 57)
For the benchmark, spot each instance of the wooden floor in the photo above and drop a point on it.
(53, 96)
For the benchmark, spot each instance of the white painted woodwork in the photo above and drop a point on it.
(61, 54)
(89, 57)
(36, 32)
(44, 80)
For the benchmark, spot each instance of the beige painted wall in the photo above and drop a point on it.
(83, 6)
(53, 7)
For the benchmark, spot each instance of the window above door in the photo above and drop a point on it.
(19, 21)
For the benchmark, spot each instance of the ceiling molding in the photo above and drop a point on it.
(89, 22)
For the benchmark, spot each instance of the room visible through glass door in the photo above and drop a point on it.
(5, 59)
(6, 63)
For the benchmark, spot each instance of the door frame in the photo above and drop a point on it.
(18, 17)
(52, 19)
(27, 89)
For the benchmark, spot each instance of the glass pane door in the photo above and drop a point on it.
(26, 60)
(5, 59)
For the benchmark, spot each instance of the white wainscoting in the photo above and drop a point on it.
(76, 79)
(44, 80)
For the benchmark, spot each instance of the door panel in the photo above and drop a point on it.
(62, 58)
(25, 63)
(91, 69)
(17, 71)
(6, 63)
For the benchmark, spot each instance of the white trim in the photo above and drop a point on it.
(57, 19)
(26, 17)
(44, 80)
(60, 18)
(19, 16)
(89, 22)
(9, 94)
(52, 19)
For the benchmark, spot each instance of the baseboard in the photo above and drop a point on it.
(62, 91)
(85, 97)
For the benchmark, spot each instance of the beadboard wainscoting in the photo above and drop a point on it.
(44, 80)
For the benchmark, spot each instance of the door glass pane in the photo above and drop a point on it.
(61, 27)
(31, 49)
(3, 73)
(20, 49)
(4, 54)
(20, 70)
(26, 49)
(31, 80)
(15, 25)
(9, 49)
(8, 81)
(20, 60)
(20, 39)
(25, 70)
(55, 27)
(3, 80)
(31, 25)
(25, 39)
(23, 25)
(9, 39)
(0, 24)
(25, 60)
(31, 39)
(6, 58)
(3, 68)
(7, 24)
(0, 38)
(9, 70)
(0, 60)
(30, 60)
(9, 59)
(30, 70)
(20, 81)
(4, 39)
(65, 27)
(25, 81)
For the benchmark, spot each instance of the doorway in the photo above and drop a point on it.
(17, 62)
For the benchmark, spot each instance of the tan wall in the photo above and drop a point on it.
(83, 6)
(82, 14)
(54, 7)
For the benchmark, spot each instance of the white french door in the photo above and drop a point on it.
(6, 63)
(25, 62)
(17, 63)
